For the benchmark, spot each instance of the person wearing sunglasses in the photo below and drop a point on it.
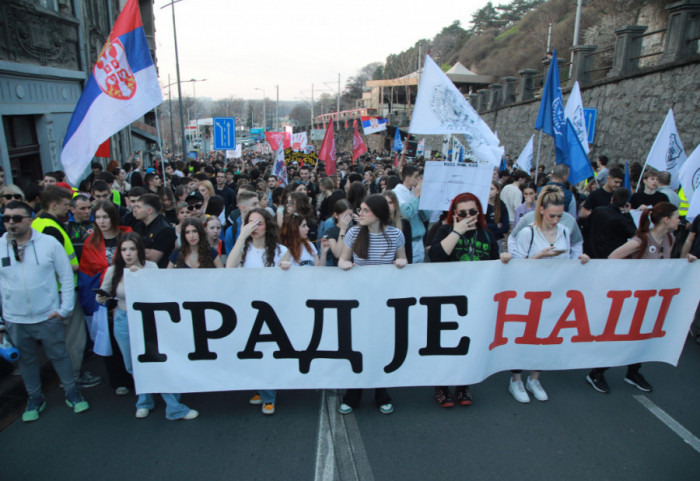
(464, 237)
(30, 263)
(9, 193)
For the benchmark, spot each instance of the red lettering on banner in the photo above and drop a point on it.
(577, 305)
(531, 319)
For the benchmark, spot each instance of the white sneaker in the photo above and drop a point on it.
(192, 414)
(534, 386)
(517, 389)
(142, 413)
(122, 391)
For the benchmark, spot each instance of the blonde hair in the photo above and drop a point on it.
(395, 219)
(208, 185)
(550, 195)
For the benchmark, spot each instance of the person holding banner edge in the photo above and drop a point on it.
(373, 242)
(548, 239)
(463, 237)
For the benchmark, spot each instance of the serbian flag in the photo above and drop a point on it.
(103, 150)
(123, 87)
(327, 152)
(371, 125)
(358, 145)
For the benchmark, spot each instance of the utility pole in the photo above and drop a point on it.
(277, 109)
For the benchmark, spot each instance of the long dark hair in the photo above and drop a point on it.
(203, 247)
(497, 202)
(271, 237)
(118, 261)
(655, 215)
(291, 238)
(302, 204)
(466, 197)
(111, 210)
(380, 208)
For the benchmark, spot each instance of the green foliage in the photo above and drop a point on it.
(445, 67)
(507, 33)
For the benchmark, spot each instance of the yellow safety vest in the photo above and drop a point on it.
(116, 197)
(683, 208)
(41, 223)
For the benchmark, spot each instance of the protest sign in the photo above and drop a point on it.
(442, 181)
(195, 330)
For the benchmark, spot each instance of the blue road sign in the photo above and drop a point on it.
(224, 133)
(590, 116)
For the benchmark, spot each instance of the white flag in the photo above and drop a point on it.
(524, 162)
(690, 175)
(456, 148)
(667, 152)
(442, 109)
(693, 209)
(445, 146)
(574, 112)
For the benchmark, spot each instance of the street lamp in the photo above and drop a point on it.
(194, 101)
(182, 120)
(177, 69)
(263, 109)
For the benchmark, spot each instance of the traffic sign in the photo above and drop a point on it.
(224, 133)
(590, 116)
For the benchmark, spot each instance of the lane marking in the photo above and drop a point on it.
(325, 452)
(674, 425)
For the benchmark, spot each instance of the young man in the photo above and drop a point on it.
(224, 191)
(602, 171)
(247, 201)
(649, 196)
(601, 197)
(80, 224)
(512, 194)
(157, 233)
(30, 264)
(55, 203)
(408, 193)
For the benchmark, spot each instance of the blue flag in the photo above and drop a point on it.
(550, 118)
(579, 166)
(626, 182)
(398, 145)
(504, 165)
(461, 155)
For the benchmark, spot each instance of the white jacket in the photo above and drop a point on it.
(29, 289)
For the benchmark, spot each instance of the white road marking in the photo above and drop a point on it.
(674, 425)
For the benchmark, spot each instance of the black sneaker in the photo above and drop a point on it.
(636, 379)
(87, 380)
(443, 397)
(598, 382)
(463, 396)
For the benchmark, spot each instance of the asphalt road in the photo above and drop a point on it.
(578, 434)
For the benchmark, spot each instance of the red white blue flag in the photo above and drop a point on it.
(123, 87)
(371, 125)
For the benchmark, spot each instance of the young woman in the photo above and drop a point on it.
(130, 254)
(373, 242)
(195, 250)
(212, 226)
(323, 209)
(299, 203)
(530, 196)
(294, 235)
(648, 243)
(545, 238)
(97, 255)
(398, 221)
(169, 211)
(464, 237)
(497, 212)
(258, 246)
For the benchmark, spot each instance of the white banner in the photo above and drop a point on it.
(317, 134)
(442, 181)
(667, 151)
(690, 175)
(425, 325)
(299, 141)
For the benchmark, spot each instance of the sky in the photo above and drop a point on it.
(240, 46)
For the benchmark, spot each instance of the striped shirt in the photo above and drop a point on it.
(382, 246)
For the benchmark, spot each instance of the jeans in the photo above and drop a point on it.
(174, 409)
(52, 336)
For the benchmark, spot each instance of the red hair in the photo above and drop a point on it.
(466, 197)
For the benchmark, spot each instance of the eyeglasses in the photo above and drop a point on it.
(14, 218)
(463, 213)
(192, 207)
(12, 196)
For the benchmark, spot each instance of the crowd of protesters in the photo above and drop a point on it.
(214, 213)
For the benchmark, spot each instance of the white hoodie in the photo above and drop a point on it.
(29, 288)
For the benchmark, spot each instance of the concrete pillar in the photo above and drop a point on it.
(509, 87)
(474, 100)
(483, 100)
(683, 25)
(527, 84)
(495, 96)
(627, 46)
(582, 64)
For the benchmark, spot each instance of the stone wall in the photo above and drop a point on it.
(631, 110)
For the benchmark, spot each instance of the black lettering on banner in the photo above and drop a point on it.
(436, 326)
(267, 315)
(400, 331)
(150, 332)
(344, 335)
(199, 327)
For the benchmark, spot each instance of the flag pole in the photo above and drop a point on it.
(403, 151)
(537, 163)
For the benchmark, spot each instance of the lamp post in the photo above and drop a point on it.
(177, 69)
(194, 102)
(263, 109)
(182, 120)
